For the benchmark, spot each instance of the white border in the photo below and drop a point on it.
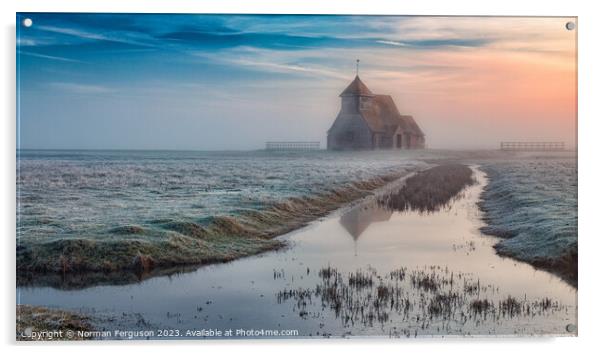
(458, 7)
(589, 170)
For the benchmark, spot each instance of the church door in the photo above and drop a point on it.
(398, 141)
(408, 140)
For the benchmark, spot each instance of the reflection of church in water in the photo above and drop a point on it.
(357, 220)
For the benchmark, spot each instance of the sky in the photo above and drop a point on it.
(233, 82)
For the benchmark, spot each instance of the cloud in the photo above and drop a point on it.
(80, 88)
(73, 32)
(37, 55)
(26, 42)
(506, 33)
(393, 43)
(442, 42)
(291, 68)
(65, 35)
(314, 63)
(296, 32)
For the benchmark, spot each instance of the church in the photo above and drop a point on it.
(371, 121)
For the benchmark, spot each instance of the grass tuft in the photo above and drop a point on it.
(168, 243)
(429, 190)
(35, 319)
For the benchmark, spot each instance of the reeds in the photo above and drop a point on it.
(429, 190)
(45, 320)
(423, 297)
(360, 279)
(166, 243)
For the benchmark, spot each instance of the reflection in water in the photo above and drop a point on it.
(427, 297)
(357, 220)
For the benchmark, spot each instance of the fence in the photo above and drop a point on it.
(292, 145)
(531, 146)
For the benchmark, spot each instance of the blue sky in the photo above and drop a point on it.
(213, 82)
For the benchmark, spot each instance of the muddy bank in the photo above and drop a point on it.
(135, 252)
(83, 280)
(532, 205)
(39, 323)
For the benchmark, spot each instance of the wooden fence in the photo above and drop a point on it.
(531, 146)
(292, 145)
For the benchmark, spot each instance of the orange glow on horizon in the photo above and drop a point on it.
(517, 89)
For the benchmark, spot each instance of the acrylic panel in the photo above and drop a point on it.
(196, 177)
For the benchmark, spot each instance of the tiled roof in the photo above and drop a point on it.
(358, 88)
(384, 117)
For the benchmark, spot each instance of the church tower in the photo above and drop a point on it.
(356, 97)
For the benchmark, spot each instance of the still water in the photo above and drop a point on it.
(430, 274)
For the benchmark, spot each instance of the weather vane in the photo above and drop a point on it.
(357, 67)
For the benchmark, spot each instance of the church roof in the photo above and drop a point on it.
(414, 125)
(383, 116)
(357, 88)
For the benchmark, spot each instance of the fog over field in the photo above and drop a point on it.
(209, 82)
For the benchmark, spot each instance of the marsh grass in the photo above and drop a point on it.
(360, 279)
(479, 306)
(566, 265)
(170, 243)
(426, 297)
(430, 190)
(37, 319)
(531, 204)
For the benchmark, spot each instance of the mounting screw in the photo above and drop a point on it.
(570, 25)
